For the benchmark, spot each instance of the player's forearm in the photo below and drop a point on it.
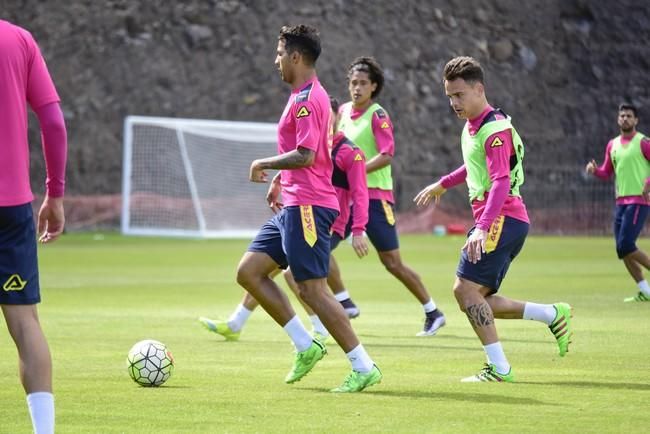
(296, 159)
(378, 162)
(55, 147)
(495, 201)
(455, 178)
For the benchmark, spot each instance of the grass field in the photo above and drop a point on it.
(102, 294)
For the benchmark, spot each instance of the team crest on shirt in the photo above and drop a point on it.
(496, 142)
(14, 283)
(302, 112)
(384, 125)
(358, 158)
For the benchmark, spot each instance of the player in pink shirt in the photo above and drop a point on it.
(368, 125)
(628, 158)
(493, 155)
(25, 80)
(299, 235)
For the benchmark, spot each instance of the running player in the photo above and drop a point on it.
(349, 180)
(299, 235)
(628, 158)
(25, 80)
(368, 126)
(493, 169)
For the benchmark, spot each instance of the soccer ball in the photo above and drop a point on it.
(150, 363)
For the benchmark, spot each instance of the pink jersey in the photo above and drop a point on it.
(24, 79)
(349, 179)
(385, 145)
(606, 170)
(305, 123)
(497, 201)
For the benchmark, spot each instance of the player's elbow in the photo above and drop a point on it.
(308, 157)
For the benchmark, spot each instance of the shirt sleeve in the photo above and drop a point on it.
(354, 163)
(40, 87)
(454, 178)
(498, 149)
(606, 170)
(55, 147)
(308, 130)
(645, 148)
(382, 129)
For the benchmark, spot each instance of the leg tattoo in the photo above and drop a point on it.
(480, 315)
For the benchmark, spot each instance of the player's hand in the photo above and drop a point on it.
(646, 191)
(273, 196)
(359, 245)
(475, 245)
(257, 174)
(433, 191)
(591, 167)
(51, 219)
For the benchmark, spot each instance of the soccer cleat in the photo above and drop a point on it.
(219, 327)
(356, 381)
(489, 373)
(432, 323)
(305, 361)
(320, 337)
(639, 297)
(561, 327)
(350, 308)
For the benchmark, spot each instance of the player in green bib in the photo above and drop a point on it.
(628, 158)
(493, 155)
(368, 125)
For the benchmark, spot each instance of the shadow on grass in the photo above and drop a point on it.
(443, 335)
(591, 385)
(432, 346)
(435, 395)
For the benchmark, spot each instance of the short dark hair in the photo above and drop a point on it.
(465, 67)
(301, 38)
(334, 103)
(628, 106)
(370, 66)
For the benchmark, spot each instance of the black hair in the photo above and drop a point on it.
(371, 67)
(465, 67)
(303, 39)
(628, 106)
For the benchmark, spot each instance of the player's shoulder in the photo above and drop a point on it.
(8, 29)
(380, 112)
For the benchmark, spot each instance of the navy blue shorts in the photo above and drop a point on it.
(380, 229)
(628, 224)
(298, 237)
(505, 240)
(18, 259)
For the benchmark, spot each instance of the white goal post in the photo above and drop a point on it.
(189, 178)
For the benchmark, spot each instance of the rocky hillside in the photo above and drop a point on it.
(559, 67)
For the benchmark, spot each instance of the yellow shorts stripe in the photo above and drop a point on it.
(494, 234)
(388, 210)
(308, 225)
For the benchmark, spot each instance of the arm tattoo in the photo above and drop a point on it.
(297, 159)
(480, 315)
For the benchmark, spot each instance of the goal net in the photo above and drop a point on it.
(184, 177)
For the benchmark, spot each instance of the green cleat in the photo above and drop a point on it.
(639, 297)
(220, 328)
(561, 327)
(489, 373)
(320, 337)
(356, 381)
(305, 361)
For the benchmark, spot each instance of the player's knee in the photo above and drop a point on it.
(392, 264)
(625, 248)
(245, 276)
(461, 294)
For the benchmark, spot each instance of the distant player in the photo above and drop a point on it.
(25, 80)
(349, 180)
(493, 169)
(299, 235)
(368, 125)
(628, 157)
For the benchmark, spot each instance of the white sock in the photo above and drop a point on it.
(360, 360)
(497, 357)
(298, 334)
(540, 312)
(644, 287)
(429, 306)
(238, 318)
(41, 409)
(318, 326)
(343, 295)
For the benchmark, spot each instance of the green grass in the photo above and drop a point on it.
(101, 296)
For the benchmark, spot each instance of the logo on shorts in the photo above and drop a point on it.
(14, 283)
(308, 225)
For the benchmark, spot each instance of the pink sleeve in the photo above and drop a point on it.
(382, 129)
(55, 146)
(606, 170)
(307, 127)
(645, 148)
(40, 88)
(456, 177)
(354, 164)
(498, 149)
